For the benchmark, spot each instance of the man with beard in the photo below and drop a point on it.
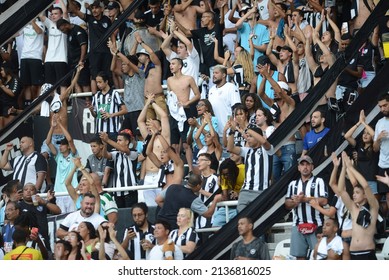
(306, 220)
(223, 96)
(381, 143)
(317, 132)
(86, 213)
(138, 233)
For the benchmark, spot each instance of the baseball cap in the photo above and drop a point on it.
(283, 85)
(143, 51)
(263, 59)
(64, 141)
(113, 5)
(305, 158)
(279, 48)
(97, 4)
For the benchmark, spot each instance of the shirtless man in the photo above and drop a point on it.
(62, 114)
(179, 87)
(186, 14)
(363, 207)
(363, 13)
(149, 171)
(152, 67)
(281, 107)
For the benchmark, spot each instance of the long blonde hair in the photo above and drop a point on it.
(244, 59)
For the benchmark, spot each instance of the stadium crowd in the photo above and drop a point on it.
(185, 95)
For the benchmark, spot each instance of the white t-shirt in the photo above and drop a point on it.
(157, 254)
(57, 48)
(383, 124)
(230, 38)
(222, 99)
(191, 63)
(33, 42)
(263, 9)
(74, 219)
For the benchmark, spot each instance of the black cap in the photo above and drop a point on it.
(263, 59)
(64, 141)
(279, 48)
(97, 4)
(113, 5)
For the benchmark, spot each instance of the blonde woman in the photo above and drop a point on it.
(185, 236)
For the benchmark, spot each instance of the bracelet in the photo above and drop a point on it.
(81, 167)
(142, 42)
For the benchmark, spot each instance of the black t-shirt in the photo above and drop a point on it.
(97, 29)
(153, 20)
(204, 35)
(16, 88)
(76, 38)
(367, 163)
(40, 214)
(347, 80)
(366, 57)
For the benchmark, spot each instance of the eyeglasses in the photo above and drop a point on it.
(200, 105)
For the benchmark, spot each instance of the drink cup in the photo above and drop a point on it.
(35, 201)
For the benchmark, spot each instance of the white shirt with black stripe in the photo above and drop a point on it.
(25, 168)
(109, 102)
(209, 184)
(258, 167)
(134, 246)
(182, 239)
(123, 171)
(304, 212)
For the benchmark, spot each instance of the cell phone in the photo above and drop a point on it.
(351, 98)
(344, 27)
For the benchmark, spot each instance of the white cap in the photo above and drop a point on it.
(283, 85)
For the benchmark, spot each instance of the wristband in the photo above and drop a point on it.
(232, 132)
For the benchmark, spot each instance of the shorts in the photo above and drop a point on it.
(84, 78)
(363, 255)
(55, 71)
(4, 110)
(246, 197)
(219, 217)
(373, 186)
(175, 133)
(66, 204)
(160, 100)
(151, 178)
(300, 243)
(99, 62)
(31, 72)
(382, 188)
(366, 79)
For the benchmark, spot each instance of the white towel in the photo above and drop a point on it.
(176, 111)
